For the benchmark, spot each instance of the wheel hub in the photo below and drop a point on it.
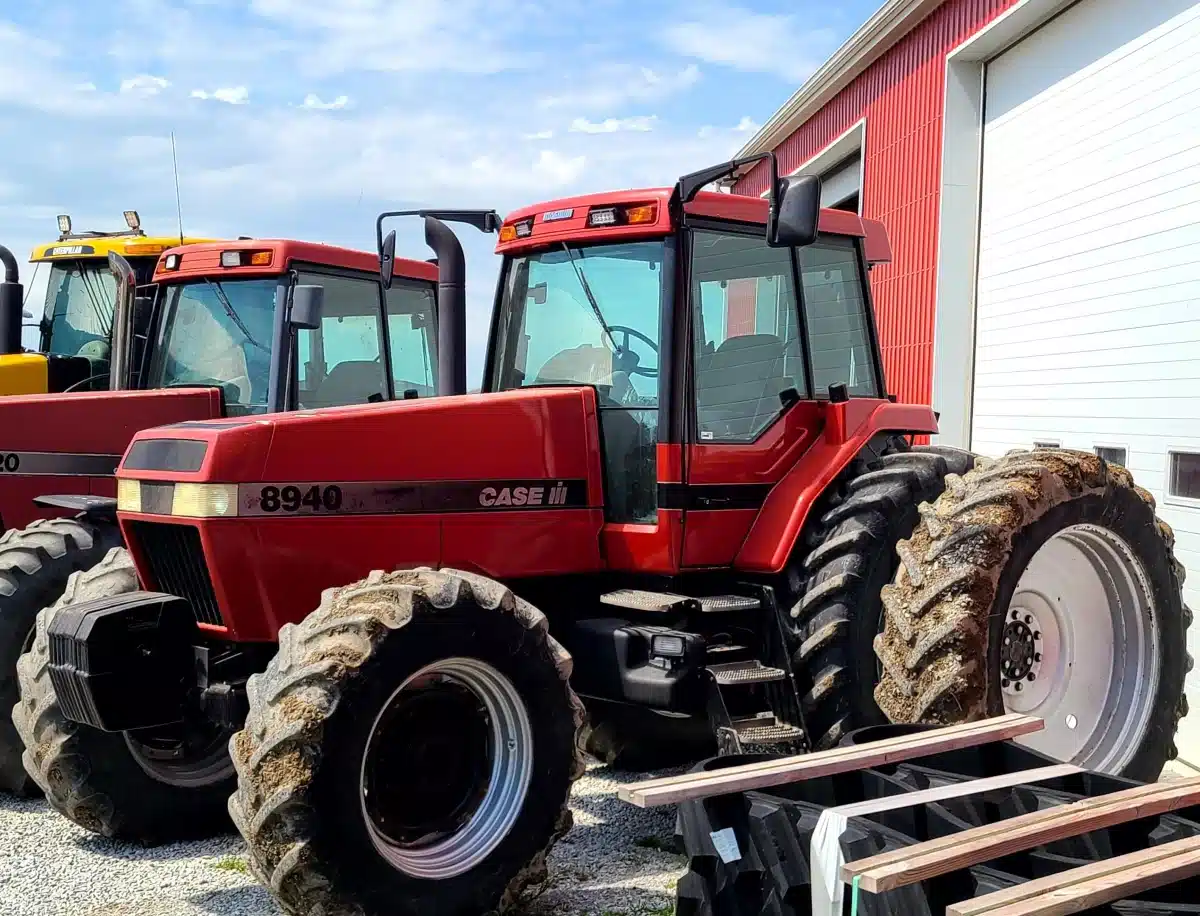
(1080, 648)
(1020, 655)
(446, 768)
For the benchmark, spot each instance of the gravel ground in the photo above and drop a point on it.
(614, 861)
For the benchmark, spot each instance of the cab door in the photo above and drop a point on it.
(771, 330)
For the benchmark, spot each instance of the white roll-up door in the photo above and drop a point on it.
(1088, 301)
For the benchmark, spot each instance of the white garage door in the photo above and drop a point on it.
(1088, 306)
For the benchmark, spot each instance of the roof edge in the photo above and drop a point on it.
(890, 23)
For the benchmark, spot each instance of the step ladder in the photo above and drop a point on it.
(752, 697)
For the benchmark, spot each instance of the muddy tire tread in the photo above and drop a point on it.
(276, 755)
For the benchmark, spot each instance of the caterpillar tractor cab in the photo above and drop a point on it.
(234, 330)
(75, 327)
(382, 634)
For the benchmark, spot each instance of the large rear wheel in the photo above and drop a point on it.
(410, 750)
(1043, 583)
(35, 563)
(147, 787)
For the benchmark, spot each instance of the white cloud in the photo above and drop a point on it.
(614, 85)
(236, 95)
(641, 124)
(784, 45)
(314, 102)
(145, 84)
(540, 135)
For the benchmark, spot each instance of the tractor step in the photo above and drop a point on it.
(724, 604)
(751, 671)
(666, 602)
(650, 602)
(765, 729)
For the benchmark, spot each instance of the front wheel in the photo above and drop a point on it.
(409, 750)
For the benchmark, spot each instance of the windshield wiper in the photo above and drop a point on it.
(233, 316)
(587, 291)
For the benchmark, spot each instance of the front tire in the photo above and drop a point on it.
(1043, 583)
(395, 688)
(107, 782)
(35, 564)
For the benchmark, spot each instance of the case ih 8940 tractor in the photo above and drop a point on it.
(236, 329)
(684, 491)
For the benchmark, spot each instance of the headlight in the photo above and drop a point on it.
(186, 500)
(129, 495)
(205, 500)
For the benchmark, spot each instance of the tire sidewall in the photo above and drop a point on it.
(340, 835)
(1120, 510)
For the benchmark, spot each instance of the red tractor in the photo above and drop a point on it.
(684, 497)
(236, 329)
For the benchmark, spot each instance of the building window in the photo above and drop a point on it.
(1112, 454)
(1046, 443)
(1184, 477)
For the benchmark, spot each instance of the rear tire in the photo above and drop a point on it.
(327, 832)
(1043, 582)
(93, 777)
(35, 563)
(839, 611)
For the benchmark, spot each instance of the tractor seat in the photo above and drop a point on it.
(350, 382)
(738, 385)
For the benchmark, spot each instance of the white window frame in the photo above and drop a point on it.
(1118, 445)
(1183, 502)
(853, 140)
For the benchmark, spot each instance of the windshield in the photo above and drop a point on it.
(584, 315)
(218, 333)
(79, 310)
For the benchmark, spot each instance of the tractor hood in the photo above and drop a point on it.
(63, 444)
(411, 456)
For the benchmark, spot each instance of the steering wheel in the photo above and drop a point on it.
(623, 348)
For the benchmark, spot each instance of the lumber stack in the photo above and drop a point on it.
(960, 821)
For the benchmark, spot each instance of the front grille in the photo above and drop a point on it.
(175, 558)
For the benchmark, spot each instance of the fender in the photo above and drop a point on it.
(849, 426)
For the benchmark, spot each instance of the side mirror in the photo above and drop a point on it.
(797, 212)
(537, 293)
(387, 259)
(308, 302)
(143, 306)
(26, 314)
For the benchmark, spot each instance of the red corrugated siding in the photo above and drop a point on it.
(901, 96)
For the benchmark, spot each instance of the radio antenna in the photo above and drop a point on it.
(178, 204)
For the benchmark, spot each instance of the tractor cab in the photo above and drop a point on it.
(75, 327)
(715, 330)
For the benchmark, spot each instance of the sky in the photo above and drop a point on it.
(306, 118)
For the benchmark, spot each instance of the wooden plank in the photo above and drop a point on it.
(674, 789)
(1000, 903)
(1129, 796)
(1100, 883)
(957, 790)
(982, 844)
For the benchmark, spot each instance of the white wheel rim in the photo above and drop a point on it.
(1080, 649)
(510, 772)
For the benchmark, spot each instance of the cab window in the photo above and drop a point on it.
(412, 336)
(340, 362)
(835, 307)
(589, 315)
(746, 334)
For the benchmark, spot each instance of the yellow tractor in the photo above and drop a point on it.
(76, 324)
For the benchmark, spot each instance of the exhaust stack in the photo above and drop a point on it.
(12, 310)
(452, 284)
